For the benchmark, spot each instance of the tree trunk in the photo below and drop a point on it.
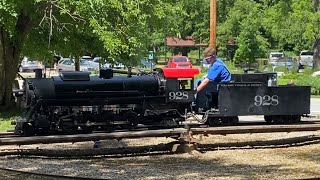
(7, 69)
(10, 48)
(316, 4)
(316, 56)
(77, 63)
(155, 57)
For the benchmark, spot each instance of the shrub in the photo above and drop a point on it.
(303, 80)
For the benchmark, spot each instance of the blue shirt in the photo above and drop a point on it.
(218, 72)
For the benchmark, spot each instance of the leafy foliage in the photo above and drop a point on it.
(126, 29)
(251, 44)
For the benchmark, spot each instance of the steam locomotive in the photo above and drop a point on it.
(76, 101)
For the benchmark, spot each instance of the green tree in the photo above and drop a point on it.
(110, 28)
(37, 28)
(15, 24)
(251, 44)
(129, 28)
(292, 25)
(232, 26)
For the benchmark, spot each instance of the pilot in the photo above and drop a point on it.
(207, 90)
(217, 73)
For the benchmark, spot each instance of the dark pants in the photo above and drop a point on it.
(207, 98)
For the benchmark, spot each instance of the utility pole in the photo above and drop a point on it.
(213, 22)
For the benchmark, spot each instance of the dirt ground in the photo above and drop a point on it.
(263, 162)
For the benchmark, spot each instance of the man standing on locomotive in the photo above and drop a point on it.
(218, 71)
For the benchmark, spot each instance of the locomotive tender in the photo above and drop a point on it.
(75, 101)
(254, 94)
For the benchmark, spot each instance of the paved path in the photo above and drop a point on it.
(315, 106)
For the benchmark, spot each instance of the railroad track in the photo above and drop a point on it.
(136, 151)
(162, 149)
(10, 139)
(10, 133)
(159, 149)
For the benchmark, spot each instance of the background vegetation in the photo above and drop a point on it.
(126, 30)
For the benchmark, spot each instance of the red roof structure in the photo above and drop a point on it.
(188, 41)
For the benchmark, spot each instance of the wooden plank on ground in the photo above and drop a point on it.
(90, 137)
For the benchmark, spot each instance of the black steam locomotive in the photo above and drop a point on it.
(76, 101)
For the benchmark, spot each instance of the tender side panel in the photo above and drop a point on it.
(255, 99)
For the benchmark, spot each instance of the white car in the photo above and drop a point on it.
(28, 64)
(118, 65)
(274, 56)
(99, 60)
(306, 58)
(67, 64)
(91, 63)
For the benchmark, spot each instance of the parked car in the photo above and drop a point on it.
(67, 64)
(117, 65)
(105, 64)
(90, 61)
(274, 56)
(28, 64)
(88, 58)
(179, 62)
(101, 62)
(305, 59)
(145, 63)
(287, 62)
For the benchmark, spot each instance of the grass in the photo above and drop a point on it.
(6, 118)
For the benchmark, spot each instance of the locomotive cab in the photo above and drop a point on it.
(180, 84)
